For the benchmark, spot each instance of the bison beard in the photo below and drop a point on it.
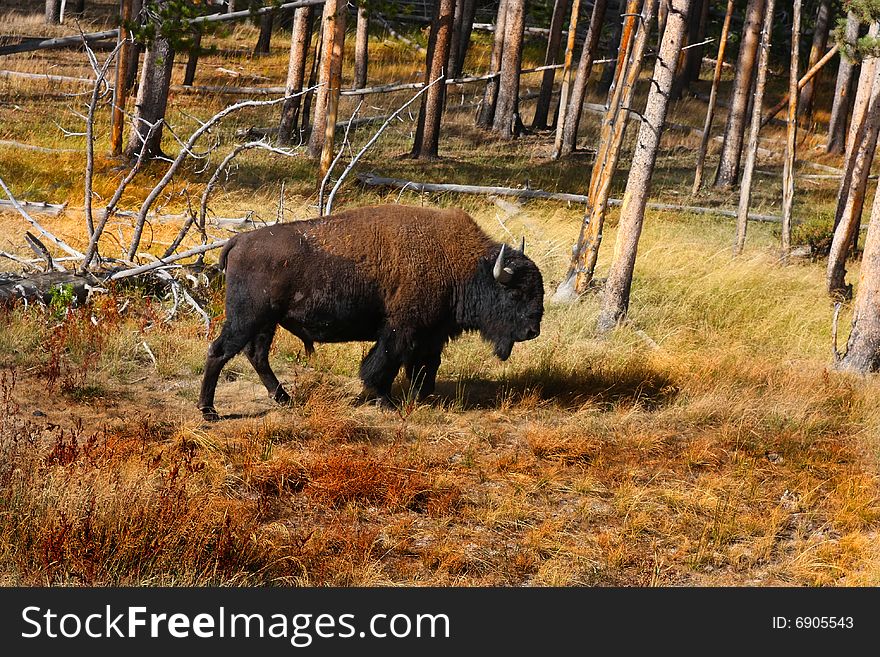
(408, 278)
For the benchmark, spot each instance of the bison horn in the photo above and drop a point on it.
(522, 244)
(501, 273)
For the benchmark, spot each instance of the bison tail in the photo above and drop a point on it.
(225, 252)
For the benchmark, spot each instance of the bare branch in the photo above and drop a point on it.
(92, 249)
(336, 159)
(154, 193)
(90, 132)
(165, 262)
(373, 140)
(57, 242)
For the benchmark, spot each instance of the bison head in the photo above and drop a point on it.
(512, 306)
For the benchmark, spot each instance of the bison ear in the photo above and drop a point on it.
(501, 273)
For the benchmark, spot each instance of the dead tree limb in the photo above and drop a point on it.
(45, 233)
(372, 141)
(412, 44)
(809, 75)
(165, 262)
(154, 193)
(371, 179)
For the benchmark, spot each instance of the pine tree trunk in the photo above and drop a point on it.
(427, 140)
(615, 298)
(745, 192)
(581, 79)
(152, 99)
(690, 60)
(361, 50)
(565, 88)
(791, 134)
(333, 14)
(300, 38)
(734, 133)
(265, 39)
(855, 181)
(820, 40)
(507, 120)
(334, 87)
(609, 71)
(713, 99)
(454, 38)
(490, 95)
(863, 93)
(626, 36)
(551, 56)
(467, 26)
(52, 12)
(586, 251)
(313, 78)
(842, 103)
(134, 51)
(193, 59)
(864, 339)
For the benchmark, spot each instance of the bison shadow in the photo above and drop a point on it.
(566, 389)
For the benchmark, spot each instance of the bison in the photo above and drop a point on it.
(408, 278)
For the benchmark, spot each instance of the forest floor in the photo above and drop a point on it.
(708, 442)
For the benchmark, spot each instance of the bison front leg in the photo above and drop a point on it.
(421, 366)
(382, 364)
(257, 352)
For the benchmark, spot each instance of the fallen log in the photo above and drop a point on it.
(373, 180)
(53, 209)
(380, 89)
(42, 287)
(46, 77)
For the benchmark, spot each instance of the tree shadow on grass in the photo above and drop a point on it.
(568, 389)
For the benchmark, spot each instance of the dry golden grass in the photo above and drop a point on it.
(706, 444)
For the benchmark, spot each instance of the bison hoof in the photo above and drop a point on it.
(210, 414)
(282, 398)
(379, 400)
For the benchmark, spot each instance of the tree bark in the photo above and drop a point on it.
(586, 251)
(791, 133)
(490, 95)
(52, 12)
(626, 34)
(841, 105)
(609, 71)
(506, 121)
(152, 99)
(427, 140)
(572, 117)
(117, 116)
(300, 38)
(264, 41)
(561, 117)
(333, 10)
(731, 147)
(313, 77)
(134, 52)
(454, 38)
(820, 40)
(193, 59)
(713, 99)
(615, 298)
(690, 61)
(334, 87)
(551, 56)
(467, 25)
(862, 348)
(854, 184)
(361, 50)
(745, 192)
